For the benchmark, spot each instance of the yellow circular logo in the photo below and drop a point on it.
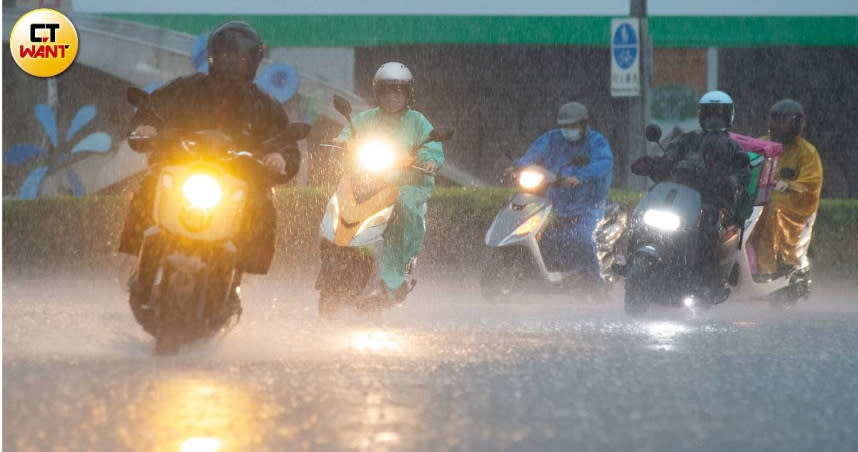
(43, 42)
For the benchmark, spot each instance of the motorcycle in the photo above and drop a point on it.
(516, 262)
(664, 265)
(789, 285)
(357, 215)
(187, 268)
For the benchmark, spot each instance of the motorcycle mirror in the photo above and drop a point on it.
(440, 134)
(580, 160)
(137, 97)
(653, 133)
(343, 106)
(298, 130)
(741, 160)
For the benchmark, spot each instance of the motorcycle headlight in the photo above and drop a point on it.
(376, 156)
(202, 191)
(530, 179)
(661, 219)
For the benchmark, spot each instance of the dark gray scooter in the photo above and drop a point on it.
(664, 265)
(516, 263)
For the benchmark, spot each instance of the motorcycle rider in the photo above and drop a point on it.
(579, 202)
(394, 117)
(796, 193)
(227, 100)
(710, 161)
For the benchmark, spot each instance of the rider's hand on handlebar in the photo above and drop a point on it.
(570, 181)
(428, 166)
(275, 161)
(144, 131)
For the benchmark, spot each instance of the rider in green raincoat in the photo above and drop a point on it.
(394, 119)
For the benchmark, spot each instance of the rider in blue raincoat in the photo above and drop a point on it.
(582, 158)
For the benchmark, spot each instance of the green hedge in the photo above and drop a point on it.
(87, 229)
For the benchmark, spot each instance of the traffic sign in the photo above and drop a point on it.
(625, 57)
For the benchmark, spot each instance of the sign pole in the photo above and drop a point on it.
(639, 105)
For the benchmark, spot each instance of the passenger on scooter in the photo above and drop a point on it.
(715, 165)
(227, 100)
(394, 118)
(579, 202)
(795, 198)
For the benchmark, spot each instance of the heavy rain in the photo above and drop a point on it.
(663, 328)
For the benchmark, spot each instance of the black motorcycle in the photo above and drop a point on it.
(186, 283)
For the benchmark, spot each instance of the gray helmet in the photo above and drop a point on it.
(571, 113)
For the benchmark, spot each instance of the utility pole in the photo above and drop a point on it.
(639, 106)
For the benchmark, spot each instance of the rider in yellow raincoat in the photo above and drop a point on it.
(795, 198)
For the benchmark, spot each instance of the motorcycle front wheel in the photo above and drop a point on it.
(502, 275)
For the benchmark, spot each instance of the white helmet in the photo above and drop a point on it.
(393, 73)
(719, 105)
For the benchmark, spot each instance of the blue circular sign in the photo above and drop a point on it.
(625, 46)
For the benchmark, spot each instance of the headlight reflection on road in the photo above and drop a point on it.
(664, 334)
(195, 415)
(201, 445)
(375, 341)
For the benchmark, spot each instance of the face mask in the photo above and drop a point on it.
(571, 134)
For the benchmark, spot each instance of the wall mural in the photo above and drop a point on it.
(57, 156)
(278, 79)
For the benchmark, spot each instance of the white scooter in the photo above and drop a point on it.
(786, 287)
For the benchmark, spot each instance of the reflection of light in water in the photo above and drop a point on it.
(375, 341)
(664, 334)
(200, 445)
(194, 415)
(376, 424)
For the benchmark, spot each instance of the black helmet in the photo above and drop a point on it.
(235, 51)
(715, 111)
(781, 111)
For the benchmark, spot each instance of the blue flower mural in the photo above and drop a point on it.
(60, 155)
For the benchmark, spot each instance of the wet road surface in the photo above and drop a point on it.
(443, 372)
